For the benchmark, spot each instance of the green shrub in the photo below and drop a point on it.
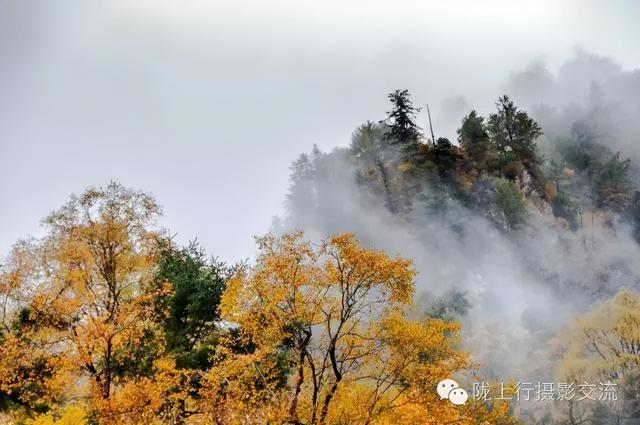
(508, 199)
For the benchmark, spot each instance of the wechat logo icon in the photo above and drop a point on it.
(450, 390)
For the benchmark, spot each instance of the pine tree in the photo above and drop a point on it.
(473, 138)
(401, 120)
(514, 133)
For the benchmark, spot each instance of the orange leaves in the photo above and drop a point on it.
(311, 334)
(29, 371)
(146, 400)
(351, 264)
(84, 299)
(326, 331)
(604, 342)
(70, 415)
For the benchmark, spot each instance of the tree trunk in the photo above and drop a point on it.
(106, 385)
(385, 183)
(334, 387)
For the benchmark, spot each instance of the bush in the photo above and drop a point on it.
(508, 200)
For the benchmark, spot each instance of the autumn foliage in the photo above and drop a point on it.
(311, 333)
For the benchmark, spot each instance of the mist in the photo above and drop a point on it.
(521, 285)
(205, 103)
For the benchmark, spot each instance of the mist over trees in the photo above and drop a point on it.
(106, 320)
(514, 230)
(509, 254)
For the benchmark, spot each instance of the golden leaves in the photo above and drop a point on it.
(83, 298)
(71, 415)
(354, 265)
(604, 342)
(146, 400)
(336, 319)
(312, 333)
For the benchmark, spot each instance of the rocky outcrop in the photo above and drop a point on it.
(529, 189)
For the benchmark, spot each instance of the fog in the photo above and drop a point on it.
(205, 103)
(522, 285)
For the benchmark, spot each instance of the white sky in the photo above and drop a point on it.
(205, 103)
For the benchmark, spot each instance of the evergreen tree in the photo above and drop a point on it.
(514, 133)
(198, 283)
(474, 139)
(561, 204)
(612, 183)
(614, 174)
(367, 147)
(401, 119)
(508, 200)
(445, 156)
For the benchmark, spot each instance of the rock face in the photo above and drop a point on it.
(482, 199)
(531, 193)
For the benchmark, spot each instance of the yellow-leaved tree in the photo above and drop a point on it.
(600, 351)
(326, 334)
(83, 309)
(34, 367)
(311, 334)
(69, 415)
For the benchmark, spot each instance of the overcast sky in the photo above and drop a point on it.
(205, 103)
